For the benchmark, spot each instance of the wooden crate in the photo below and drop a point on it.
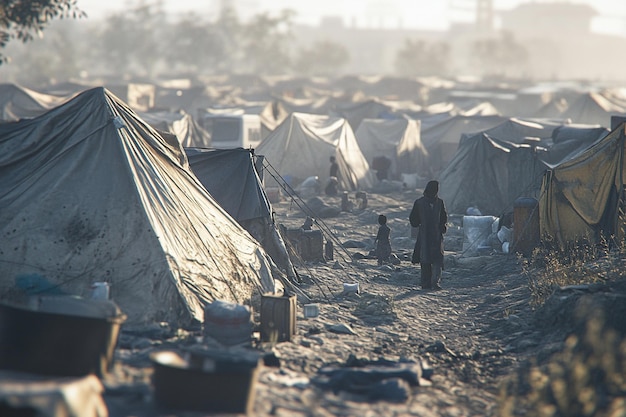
(278, 318)
(309, 244)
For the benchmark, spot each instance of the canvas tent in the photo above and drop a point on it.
(594, 108)
(181, 124)
(442, 139)
(397, 139)
(92, 193)
(490, 173)
(356, 112)
(17, 102)
(582, 198)
(302, 145)
(231, 177)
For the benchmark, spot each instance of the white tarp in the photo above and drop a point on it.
(302, 145)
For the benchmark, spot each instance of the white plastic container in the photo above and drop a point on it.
(311, 310)
(477, 231)
(350, 288)
(100, 290)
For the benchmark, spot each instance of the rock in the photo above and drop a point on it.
(440, 347)
(392, 389)
(271, 359)
(341, 328)
(354, 244)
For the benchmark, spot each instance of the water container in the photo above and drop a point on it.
(100, 290)
(477, 231)
(228, 323)
(311, 310)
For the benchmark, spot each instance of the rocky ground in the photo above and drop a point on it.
(453, 347)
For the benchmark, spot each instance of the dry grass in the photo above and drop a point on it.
(588, 376)
(547, 270)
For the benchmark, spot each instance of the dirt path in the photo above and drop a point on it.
(472, 334)
(469, 332)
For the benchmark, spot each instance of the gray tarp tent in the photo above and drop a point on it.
(397, 139)
(231, 177)
(442, 140)
(302, 145)
(594, 108)
(491, 173)
(17, 102)
(581, 198)
(181, 124)
(90, 192)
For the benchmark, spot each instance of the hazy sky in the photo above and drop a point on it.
(423, 14)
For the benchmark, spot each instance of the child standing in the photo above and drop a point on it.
(383, 241)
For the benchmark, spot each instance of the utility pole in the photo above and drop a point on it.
(484, 16)
(482, 11)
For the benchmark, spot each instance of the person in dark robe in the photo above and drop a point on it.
(430, 217)
(383, 241)
(334, 167)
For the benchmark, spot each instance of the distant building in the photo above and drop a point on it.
(548, 20)
(556, 37)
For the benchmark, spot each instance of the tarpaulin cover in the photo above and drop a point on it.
(397, 139)
(302, 145)
(231, 178)
(90, 192)
(490, 173)
(580, 197)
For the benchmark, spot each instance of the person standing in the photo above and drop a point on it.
(430, 216)
(334, 167)
(332, 185)
(383, 241)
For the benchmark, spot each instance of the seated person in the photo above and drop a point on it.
(332, 187)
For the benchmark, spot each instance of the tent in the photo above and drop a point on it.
(490, 172)
(594, 108)
(356, 112)
(231, 177)
(181, 124)
(17, 102)
(582, 198)
(92, 193)
(301, 146)
(397, 139)
(442, 139)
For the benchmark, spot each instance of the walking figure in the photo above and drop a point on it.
(430, 216)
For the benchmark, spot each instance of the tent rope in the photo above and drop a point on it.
(295, 198)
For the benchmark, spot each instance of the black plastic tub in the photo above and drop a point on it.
(209, 381)
(60, 336)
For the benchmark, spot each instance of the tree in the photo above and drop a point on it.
(131, 39)
(266, 43)
(422, 58)
(500, 56)
(20, 19)
(193, 46)
(322, 58)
